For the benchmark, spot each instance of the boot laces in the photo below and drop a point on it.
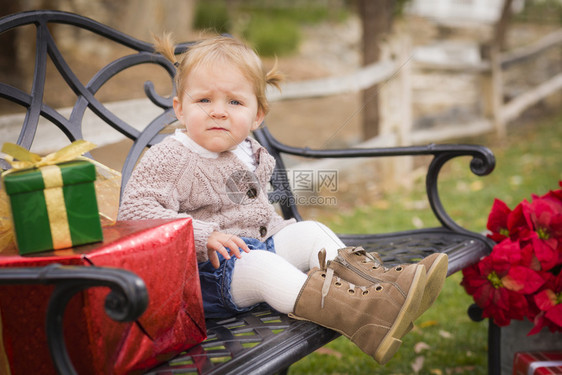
(327, 283)
(374, 257)
(370, 258)
(329, 276)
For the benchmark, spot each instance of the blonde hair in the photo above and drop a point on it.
(221, 49)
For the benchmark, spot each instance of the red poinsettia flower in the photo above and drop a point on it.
(518, 226)
(523, 280)
(522, 277)
(545, 215)
(507, 251)
(545, 218)
(549, 301)
(554, 195)
(528, 257)
(519, 277)
(497, 221)
(546, 254)
(484, 281)
(504, 223)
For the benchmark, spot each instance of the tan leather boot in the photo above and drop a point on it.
(362, 268)
(374, 317)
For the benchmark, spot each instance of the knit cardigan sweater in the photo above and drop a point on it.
(172, 181)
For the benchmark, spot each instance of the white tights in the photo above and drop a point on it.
(261, 276)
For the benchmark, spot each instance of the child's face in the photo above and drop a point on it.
(219, 107)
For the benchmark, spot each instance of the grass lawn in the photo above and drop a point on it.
(445, 340)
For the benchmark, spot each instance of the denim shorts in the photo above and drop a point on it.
(215, 282)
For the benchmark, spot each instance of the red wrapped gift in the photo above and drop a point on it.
(161, 252)
(537, 363)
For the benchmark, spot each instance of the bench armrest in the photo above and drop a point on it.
(482, 163)
(127, 300)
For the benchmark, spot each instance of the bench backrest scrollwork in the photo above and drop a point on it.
(47, 48)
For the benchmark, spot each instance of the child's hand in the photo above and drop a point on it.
(221, 243)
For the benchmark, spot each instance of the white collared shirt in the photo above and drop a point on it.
(243, 151)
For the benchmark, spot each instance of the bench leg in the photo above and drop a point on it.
(494, 340)
(494, 348)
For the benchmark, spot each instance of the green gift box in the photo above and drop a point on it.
(54, 207)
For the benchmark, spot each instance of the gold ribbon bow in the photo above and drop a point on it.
(21, 158)
(27, 159)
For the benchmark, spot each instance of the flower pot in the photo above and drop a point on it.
(514, 339)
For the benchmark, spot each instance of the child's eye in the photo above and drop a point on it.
(204, 100)
(235, 102)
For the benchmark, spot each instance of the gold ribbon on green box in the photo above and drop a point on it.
(58, 185)
(27, 159)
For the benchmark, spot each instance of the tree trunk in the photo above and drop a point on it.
(376, 20)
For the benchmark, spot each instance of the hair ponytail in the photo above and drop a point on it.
(274, 77)
(165, 46)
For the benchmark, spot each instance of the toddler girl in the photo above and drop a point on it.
(213, 172)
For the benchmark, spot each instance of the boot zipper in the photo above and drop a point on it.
(364, 275)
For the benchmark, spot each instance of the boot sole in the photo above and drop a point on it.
(435, 279)
(411, 305)
(391, 342)
(436, 275)
(366, 338)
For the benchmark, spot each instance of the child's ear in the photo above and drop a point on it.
(260, 116)
(178, 110)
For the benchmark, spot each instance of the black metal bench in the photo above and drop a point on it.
(262, 341)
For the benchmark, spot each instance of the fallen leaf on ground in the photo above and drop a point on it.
(328, 351)
(476, 185)
(429, 323)
(461, 370)
(445, 334)
(417, 222)
(418, 364)
(420, 346)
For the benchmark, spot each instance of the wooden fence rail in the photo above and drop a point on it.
(394, 72)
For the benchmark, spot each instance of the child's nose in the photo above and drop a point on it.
(218, 111)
